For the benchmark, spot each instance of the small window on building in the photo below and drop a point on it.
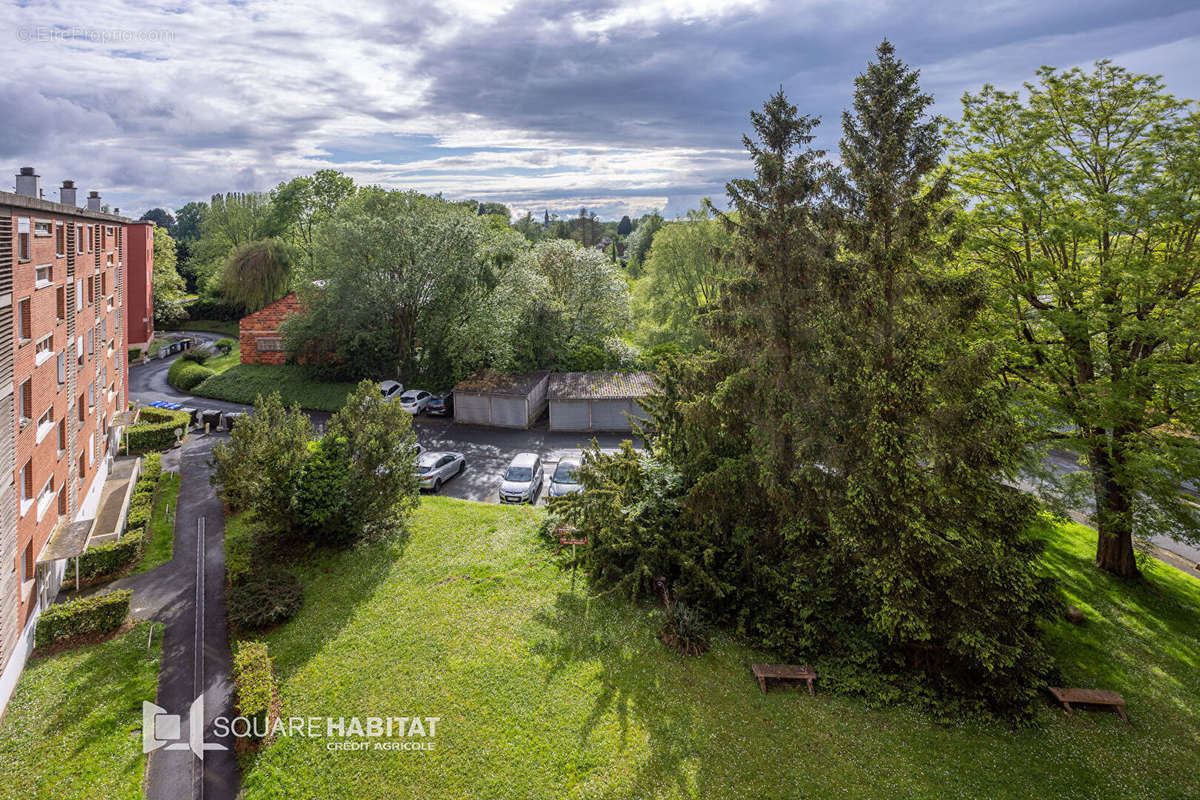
(82, 467)
(61, 303)
(27, 480)
(60, 239)
(45, 347)
(27, 565)
(62, 435)
(82, 408)
(104, 284)
(23, 239)
(270, 343)
(78, 239)
(62, 502)
(91, 233)
(79, 294)
(25, 318)
(91, 286)
(62, 367)
(43, 227)
(92, 393)
(91, 341)
(26, 410)
(44, 275)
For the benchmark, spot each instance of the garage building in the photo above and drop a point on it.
(597, 401)
(502, 401)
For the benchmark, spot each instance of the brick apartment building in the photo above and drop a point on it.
(63, 383)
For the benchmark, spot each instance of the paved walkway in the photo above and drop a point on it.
(188, 595)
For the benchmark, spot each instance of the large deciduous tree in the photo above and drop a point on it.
(1085, 206)
(168, 286)
(303, 203)
(257, 273)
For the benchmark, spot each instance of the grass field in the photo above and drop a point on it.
(545, 694)
(161, 546)
(241, 383)
(73, 728)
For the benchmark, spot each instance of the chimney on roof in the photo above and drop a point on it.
(27, 183)
(66, 194)
(93, 201)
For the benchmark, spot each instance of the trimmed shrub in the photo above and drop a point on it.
(155, 429)
(99, 613)
(226, 345)
(186, 375)
(253, 680)
(108, 559)
(135, 353)
(265, 598)
(197, 355)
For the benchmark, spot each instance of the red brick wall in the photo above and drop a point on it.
(265, 324)
(139, 283)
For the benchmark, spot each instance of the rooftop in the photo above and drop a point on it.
(49, 206)
(497, 383)
(600, 385)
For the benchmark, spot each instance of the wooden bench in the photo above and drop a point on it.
(784, 672)
(1090, 697)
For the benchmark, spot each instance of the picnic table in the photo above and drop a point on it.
(1090, 697)
(784, 672)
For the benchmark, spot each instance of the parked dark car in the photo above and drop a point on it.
(441, 405)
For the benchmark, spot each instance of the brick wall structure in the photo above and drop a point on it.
(260, 339)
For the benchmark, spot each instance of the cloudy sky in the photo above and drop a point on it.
(618, 105)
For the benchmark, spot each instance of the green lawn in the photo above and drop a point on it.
(545, 694)
(227, 328)
(241, 383)
(73, 728)
(161, 545)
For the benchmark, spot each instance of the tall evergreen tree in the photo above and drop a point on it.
(918, 435)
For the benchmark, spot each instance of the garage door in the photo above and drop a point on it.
(568, 415)
(472, 409)
(609, 415)
(509, 412)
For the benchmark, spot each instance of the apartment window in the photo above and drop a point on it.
(104, 283)
(25, 317)
(60, 239)
(27, 564)
(62, 502)
(26, 410)
(44, 275)
(61, 303)
(82, 467)
(23, 239)
(27, 481)
(62, 435)
(45, 349)
(91, 341)
(78, 238)
(91, 231)
(43, 227)
(103, 330)
(81, 408)
(92, 393)
(79, 294)
(270, 343)
(62, 367)
(91, 290)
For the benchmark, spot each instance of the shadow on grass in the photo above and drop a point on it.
(641, 683)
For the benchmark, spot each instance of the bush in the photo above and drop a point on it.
(253, 680)
(155, 428)
(325, 499)
(135, 354)
(196, 354)
(265, 598)
(684, 629)
(108, 559)
(186, 375)
(226, 345)
(99, 613)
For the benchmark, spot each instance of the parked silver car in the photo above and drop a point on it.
(391, 390)
(414, 400)
(522, 480)
(434, 469)
(563, 481)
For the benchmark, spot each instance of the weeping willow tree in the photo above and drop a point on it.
(257, 273)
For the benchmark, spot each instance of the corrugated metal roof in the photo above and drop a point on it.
(599, 385)
(498, 383)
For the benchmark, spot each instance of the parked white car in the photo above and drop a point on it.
(391, 390)
(434, 469)
(414, 400)
(522, 480)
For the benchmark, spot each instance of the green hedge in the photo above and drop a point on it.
(266, 597)
(253, 679)
(186, 375)
(135, 354)
(155, 429)
(98, 613)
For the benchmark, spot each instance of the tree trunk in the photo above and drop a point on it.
(1114, 517)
